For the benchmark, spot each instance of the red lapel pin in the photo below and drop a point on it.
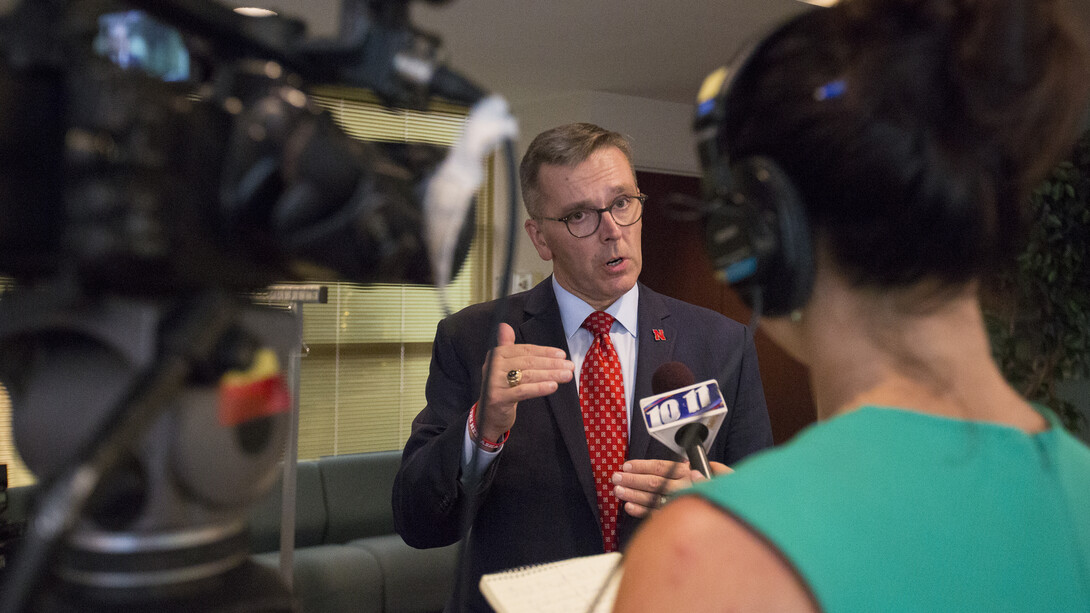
(659, 335)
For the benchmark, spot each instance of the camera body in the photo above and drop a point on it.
(127, 172)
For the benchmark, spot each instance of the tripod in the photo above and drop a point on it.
(148, 460)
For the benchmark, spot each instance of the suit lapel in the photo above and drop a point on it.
(542, 326)
(651, 353)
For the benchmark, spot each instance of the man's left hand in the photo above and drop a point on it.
(644, 485)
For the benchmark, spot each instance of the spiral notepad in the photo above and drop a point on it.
(567, 586)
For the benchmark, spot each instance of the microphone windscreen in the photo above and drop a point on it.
(671, 376)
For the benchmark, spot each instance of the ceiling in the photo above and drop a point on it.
(659, 49)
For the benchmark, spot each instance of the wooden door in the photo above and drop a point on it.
(676, 264)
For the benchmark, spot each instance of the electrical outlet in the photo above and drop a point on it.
(521, 281)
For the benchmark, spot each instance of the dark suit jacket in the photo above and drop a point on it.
(536, 501)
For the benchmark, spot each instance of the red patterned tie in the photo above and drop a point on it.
(601, 396)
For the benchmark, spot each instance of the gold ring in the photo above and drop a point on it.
(514, 377)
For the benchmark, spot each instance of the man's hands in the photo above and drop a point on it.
(543, 370)
(643, 484)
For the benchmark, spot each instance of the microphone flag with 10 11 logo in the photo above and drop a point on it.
(665, 414)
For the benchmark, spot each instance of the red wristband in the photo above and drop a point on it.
(481, 441)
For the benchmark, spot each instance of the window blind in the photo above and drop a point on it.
(362, 381)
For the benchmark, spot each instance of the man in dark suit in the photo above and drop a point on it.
(534, 495)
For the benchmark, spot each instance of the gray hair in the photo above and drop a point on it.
(566, 145)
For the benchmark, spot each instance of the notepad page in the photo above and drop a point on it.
(567, 586)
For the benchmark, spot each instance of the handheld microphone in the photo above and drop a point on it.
(686, 418)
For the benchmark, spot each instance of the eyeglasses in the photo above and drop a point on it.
(625, 210)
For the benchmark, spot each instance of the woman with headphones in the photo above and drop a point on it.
(896, 140)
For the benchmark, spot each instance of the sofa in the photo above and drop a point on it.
(347, 557)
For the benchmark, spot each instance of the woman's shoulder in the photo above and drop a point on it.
(741, 570)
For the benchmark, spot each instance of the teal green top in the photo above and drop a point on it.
(883, 509)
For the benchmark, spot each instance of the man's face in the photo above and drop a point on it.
(601, 267)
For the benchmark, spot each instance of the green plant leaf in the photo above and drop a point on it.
(1040, 331)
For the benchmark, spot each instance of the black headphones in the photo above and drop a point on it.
(756, 231)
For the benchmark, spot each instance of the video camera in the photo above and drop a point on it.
(160, 161)
(155, 146)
